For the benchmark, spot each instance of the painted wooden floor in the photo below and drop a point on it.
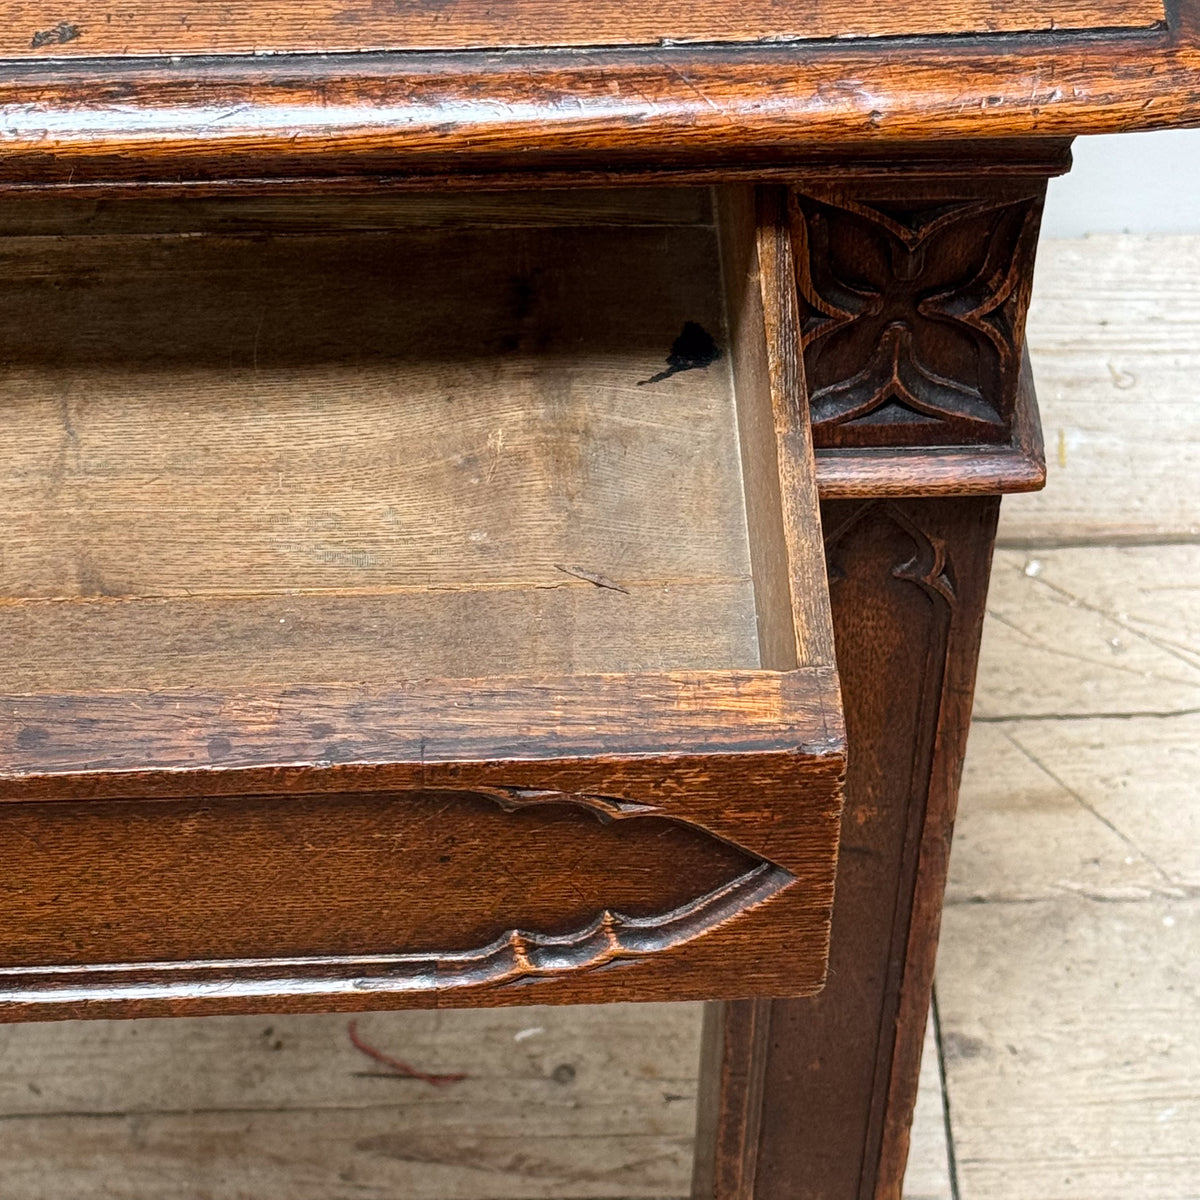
(1069, 977)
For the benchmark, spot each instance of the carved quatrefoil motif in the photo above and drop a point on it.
(912, 316)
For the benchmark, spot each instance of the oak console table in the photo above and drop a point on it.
(498, 503)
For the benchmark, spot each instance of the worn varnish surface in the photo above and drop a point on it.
(606, 733)
(434, 118)
(252, 897)
(35, 28)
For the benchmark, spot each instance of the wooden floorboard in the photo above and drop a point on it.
(1097, 808)
(1096, 631)
(928, 1175)
(1069, 1028)
(1069, 970)
(571, 1102)
(1114, 334)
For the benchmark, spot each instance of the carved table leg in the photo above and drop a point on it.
(811, 1099)
(912, 291)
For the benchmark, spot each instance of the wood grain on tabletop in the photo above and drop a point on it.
(36, 29)
(649, 111)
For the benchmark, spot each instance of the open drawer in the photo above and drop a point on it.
(409, 602)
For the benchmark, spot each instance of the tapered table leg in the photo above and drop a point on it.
(812, 1099)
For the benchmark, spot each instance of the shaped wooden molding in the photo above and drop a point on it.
(434, 890)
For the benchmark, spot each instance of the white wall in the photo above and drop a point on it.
(1128, 183)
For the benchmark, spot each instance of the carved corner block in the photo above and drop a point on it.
(912, 303)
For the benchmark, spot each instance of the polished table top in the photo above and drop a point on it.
(134, 90)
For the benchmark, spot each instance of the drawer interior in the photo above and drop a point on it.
(408, 601)
(361, 441)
